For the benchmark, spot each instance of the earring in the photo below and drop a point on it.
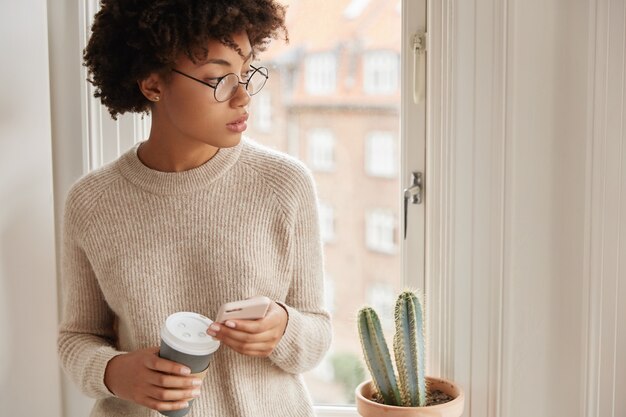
(157, 98)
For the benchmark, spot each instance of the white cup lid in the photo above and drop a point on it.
(186, 332)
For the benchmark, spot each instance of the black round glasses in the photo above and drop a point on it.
(225, 87)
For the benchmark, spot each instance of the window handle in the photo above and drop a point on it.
(414, 194)
(419, 66)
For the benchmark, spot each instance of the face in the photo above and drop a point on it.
(188, 110)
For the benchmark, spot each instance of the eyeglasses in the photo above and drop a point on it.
(225, 87)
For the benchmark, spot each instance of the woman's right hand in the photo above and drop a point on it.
(146, 379)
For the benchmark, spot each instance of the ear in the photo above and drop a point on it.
(151, 87)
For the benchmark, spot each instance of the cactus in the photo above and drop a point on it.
(409, 390)
(409, 345)
(377, 356)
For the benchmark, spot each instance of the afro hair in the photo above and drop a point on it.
(131, 39)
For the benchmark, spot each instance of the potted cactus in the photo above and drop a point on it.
(411, 393)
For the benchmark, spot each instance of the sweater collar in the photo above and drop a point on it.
(171, 183)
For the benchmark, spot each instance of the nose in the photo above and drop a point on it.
(241, 98)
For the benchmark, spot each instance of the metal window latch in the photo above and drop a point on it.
(419, 66)
(414, 194)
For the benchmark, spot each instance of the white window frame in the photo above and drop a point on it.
(329, 292)
(96, 124)
(381, 223)
(321, 146)
(263, 107)
(355, 8)
(327, 222)
(378, 77)
(385, 310)
(380, 154)
(320, 73)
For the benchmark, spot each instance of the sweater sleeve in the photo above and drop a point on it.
(308, 333)
(86, 335)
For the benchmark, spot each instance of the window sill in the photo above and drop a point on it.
(335, 411)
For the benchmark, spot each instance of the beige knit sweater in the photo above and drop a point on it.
(140, 244)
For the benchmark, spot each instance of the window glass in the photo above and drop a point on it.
(323, 114)
(381, 231)
(327, 222)
(320, 73)
(380, 157)
(332, 100)
(382, 72)
(321, 150)
(263, 109)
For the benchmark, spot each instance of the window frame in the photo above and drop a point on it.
(372, 61)
(373, 152)
(321, 148)
(381, 222)
(316, 75)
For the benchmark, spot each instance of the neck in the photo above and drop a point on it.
(177, 155)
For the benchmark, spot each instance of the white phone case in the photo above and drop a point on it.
(252, 308)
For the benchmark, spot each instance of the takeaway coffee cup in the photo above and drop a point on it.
(184, 340)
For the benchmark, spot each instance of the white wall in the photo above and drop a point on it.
(68, 140)
(29, 375)
(533, 174)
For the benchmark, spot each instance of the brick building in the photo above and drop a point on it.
(333, 101)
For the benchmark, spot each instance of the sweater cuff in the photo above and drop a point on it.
(94, 374)
(283, 354)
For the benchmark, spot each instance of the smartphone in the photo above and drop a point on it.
(252, 308)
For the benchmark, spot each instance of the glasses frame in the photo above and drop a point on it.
(219, 80)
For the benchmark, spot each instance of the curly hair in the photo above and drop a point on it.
(132, 38)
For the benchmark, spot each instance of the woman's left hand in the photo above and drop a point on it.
(253, 337)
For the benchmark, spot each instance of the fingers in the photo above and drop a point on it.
(162, 405)
(172, 381)
(166, 392)
(172, 395)
(260, 344)
(156, 363)
(252, 337)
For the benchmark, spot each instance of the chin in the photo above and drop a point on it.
(231, 140)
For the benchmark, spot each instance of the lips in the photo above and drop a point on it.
(238, 125)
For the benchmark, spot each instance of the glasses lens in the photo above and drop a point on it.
(257, 80)
(226, 88)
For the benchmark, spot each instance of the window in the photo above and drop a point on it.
(381, 70)
(337, 138)
(381, 230)
(321, 70)
(263, 107)
(380, 155)
(329, 293)
(322, 150)
(327, 222)
(382, 297)
(355, 8)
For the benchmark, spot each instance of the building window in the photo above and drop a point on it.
(381, 297)
(327, 222)
(322, 150)
(381, 72)
(380, 155)
(381, 231)
(263, 104)
(321, 73)
(329, 293)
(355, 8)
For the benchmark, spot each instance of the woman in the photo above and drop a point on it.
(193, 217)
